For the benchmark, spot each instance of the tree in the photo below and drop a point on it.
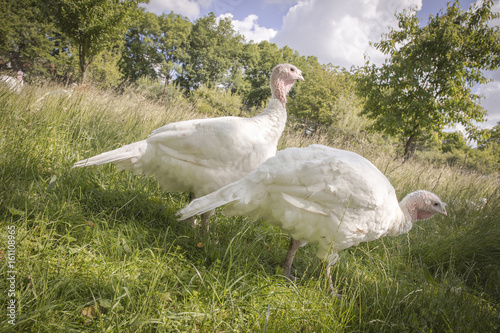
(104, 70)
(491, 146)
(140, 54)
(25, 43)
(493, 136)
(454, 141)
(173, 40)
(92, 25)
(427, 82)
(154, 45)
(213, 54)
(316, 102)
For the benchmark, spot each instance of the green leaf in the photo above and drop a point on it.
(16, 212)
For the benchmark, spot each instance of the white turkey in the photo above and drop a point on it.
(202, 155)
(13, 84)
(322, 195)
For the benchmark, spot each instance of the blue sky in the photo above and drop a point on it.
(336, 31)
(270, 12)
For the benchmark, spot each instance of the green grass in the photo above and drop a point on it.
(98, 250)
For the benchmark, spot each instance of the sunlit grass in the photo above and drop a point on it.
(100, 250)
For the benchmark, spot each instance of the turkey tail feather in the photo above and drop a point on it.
(223, 196)
(124, 157)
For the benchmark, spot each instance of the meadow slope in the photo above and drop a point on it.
(99, 250)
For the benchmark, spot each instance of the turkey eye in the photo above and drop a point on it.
(435, 204)
(292, 69)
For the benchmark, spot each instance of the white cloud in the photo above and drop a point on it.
(282, 2)
(339, 32)
(250, 29)
(491, 91)
(189, 8)
(491, 102)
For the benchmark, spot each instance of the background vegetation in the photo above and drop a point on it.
(100, 250)
(426, 84)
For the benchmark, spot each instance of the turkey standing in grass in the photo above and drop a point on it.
(202, 155)
(14, 84)
(322, 195)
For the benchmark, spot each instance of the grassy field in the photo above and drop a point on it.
(98, 250)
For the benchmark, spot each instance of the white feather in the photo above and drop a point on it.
(13, 84)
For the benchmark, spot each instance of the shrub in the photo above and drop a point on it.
(216, 102)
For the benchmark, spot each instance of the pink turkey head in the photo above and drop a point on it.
(423, 205)
(282, 80)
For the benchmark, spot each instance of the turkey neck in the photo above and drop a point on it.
(280, 87)
(273, 117)
(402, 223)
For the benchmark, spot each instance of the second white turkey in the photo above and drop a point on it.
(331, 197)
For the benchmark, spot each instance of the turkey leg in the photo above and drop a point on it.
(292, 249)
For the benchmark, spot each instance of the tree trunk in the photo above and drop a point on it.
(410, 148)
(84, 75)
(411, 143)
(84, 61)
(81, 62)
(167, 81)
(84, 68)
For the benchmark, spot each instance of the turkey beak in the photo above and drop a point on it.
(444, 212)
(301, 78)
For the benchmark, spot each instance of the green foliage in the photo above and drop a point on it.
(216, 102)
(64, 62)
(260, 61)
(470, 245)
(140, 53)
(494, 135)
(91, 25)
(453, 150)
(156, 91)
(485, 161)
(173, 43)
(154, 44)
(454, 141)
(103, 72)
(213, 54)
(137, 50)
(322, 100)
(24, 43)
(489, 149)
(427, 82)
